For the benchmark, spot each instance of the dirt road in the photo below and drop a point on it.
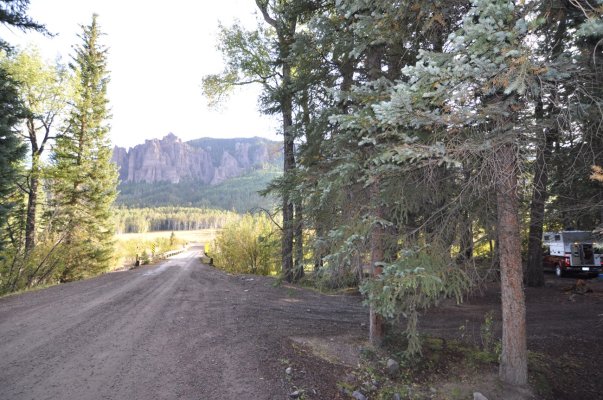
(183, 330)
(179, 330)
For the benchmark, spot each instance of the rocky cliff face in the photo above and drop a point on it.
(207, 160)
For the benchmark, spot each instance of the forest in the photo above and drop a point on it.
(240, 194)
(431, 142)
(141, 220)
(427, 146)
(57, 181)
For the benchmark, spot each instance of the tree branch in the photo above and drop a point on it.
(271, 216)
(263, 6)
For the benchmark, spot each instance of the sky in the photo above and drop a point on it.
(158, 55)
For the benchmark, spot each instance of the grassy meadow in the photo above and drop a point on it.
(197, 236)
(128, 245)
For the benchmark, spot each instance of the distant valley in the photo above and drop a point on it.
(205, 172)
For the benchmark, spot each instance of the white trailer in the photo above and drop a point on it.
(572, 251)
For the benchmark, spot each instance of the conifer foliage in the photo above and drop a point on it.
(13, 13)
(12, 150)
(414, 125)
(84, 179)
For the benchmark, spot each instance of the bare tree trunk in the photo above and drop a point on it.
(534, 269)
(32, 205)
(377, 323)
(513, 362)
(378, 234)
(466, 226)
(32, 193)
(466, 237)
(288, 166)
(299, 241)
(285, 30)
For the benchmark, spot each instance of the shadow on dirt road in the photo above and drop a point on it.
(178, 330)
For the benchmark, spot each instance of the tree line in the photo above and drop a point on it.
(415, 132)
(140, 220)
(57, 181)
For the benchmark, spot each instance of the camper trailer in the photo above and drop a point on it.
(571, 251)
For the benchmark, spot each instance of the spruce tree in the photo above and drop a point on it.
(14, 14)
(85, 180)
(12, 149)
(471, 96)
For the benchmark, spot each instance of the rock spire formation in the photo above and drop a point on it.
(207, 160)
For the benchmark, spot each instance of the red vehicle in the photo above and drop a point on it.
(572, 251)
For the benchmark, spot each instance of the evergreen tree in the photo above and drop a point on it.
(266, 56)
(567, 137)
(12, 149)
(470, 97)
(84, 179)
(368, 43)
(14, 13)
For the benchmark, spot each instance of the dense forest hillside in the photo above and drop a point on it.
(239, 194)
(140, 220)
(206, 172)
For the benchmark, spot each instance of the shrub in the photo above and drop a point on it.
(248, 246)
(417, 281)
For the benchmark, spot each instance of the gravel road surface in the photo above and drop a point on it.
(177, 330)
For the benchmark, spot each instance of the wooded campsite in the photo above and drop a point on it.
(428, 147)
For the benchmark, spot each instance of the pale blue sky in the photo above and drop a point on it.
(159, 51)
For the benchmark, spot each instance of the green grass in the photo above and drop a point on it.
(26, 290)
(198, 236)
(129, 245)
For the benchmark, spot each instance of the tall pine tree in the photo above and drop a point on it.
(85, 180)
(12, 149)
(13, 13)
(471, 96)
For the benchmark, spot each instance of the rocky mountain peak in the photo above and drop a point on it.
(206, 160)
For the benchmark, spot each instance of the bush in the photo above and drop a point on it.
(417, 281)
(250, 245)
(44, 265)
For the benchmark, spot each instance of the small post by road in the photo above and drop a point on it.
(206, 256)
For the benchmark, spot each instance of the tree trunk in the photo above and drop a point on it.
(299, 241)
(32, 194)
(466, 238)
(513, 362)
(466, 225)
(32, 204)
(288, 167)
(534, 269)
(377, 323)
(285, 30)
(378, 234)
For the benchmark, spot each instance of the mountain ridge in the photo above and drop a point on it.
(210, 161)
